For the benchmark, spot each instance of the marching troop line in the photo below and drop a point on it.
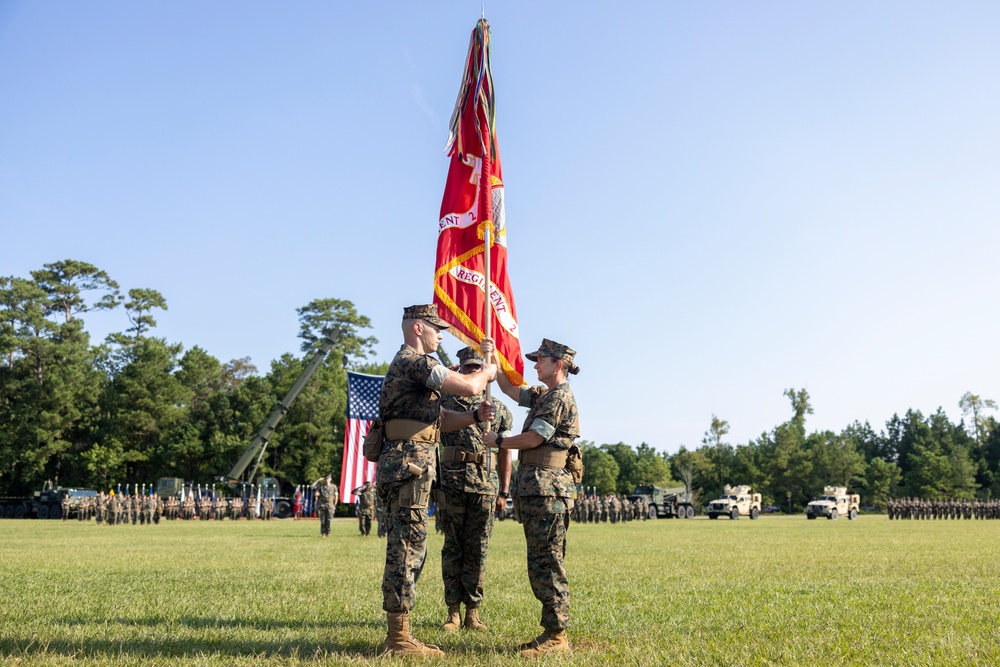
(609, 509)
(925, 508)
(114, 509)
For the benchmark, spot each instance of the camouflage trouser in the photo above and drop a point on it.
(545, 520)
(383, 523)
(325, 514)
(406, 543)
(365, 522)
(467, 521)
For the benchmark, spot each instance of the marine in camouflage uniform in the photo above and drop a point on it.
(114, 507)
(410, 409)
(327, 495)
(205, 509)
(473, 479)
(545, 488)
(366, 508)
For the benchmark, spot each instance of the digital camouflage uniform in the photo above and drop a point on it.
(470, 494)
(405, 472)
(327, 496)
(205, 509)
(114, 508)
(545, 498)
(366, 507)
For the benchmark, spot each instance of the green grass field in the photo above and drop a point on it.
(778, 591)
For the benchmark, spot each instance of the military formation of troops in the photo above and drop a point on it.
(609, 509)
(924, 508)
(113, 509)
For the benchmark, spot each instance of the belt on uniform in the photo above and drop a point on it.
(543, 457)
(411, 429)
(459, 455)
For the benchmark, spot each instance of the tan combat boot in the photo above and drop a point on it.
(454, 621)
(547, 642)
(472, 621)
(399, 641)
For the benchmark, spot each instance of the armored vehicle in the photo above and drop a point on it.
(665, 503)
(735, 501)
(834, 502)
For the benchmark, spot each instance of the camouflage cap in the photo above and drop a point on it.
(427, 312)
(550, 348)
(469, 356)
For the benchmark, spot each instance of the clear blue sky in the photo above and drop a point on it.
(711, 202)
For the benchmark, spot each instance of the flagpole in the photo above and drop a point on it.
(487, 319)
(486, 200)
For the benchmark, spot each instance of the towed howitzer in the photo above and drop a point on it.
(254, 453)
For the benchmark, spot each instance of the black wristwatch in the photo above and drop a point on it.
(504, 494)
(499, 440)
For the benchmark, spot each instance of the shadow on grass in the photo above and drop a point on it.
(166, 647)
(160, 645)
(172, 648)
(202, 623)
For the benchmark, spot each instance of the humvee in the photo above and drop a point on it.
(834, 502)
(736, 501)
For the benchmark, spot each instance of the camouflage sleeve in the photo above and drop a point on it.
(548, 414)
(542, 428)
(529, 395)
(438, 373)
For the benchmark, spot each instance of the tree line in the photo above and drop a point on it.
(134, 407)
(914, 455)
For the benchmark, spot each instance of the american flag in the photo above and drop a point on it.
(362, 407)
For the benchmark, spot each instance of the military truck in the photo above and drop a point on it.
(44, 504)
(665, 503)
(835, 502)
(736, 501)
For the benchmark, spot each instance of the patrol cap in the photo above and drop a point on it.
(469, 356)
(550, 348)
(428, 312)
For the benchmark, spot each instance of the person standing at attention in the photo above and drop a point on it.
(410, 409)
(544, 486)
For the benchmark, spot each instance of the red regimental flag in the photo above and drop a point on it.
(473, 205)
